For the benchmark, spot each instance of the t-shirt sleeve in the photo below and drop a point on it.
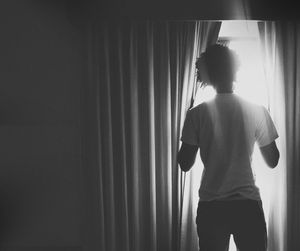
(189, 133)
(266, 132)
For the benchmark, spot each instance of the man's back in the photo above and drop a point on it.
(225, 129)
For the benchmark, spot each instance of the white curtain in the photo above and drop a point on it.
(280, 46)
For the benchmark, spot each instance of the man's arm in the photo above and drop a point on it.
(186, 156)
(270, 154)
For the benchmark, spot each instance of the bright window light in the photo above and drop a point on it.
(251, 82)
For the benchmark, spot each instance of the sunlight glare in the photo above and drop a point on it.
(250, 83)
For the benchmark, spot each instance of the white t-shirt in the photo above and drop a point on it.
(225, 129)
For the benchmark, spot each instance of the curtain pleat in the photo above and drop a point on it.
(141, 76)
(124, 170)
(280, 43)
(273, 69)
(152, 141)
(291, 32)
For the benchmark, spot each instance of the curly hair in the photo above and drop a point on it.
(219, 64)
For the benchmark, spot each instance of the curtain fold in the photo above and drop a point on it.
(281, 50)
(141, 76)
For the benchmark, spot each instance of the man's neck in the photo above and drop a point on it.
(224, 91)
(224, 88)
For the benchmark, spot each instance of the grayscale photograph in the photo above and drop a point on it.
(149, 125)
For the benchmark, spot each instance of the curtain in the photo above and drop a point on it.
(140, 81)
(280, 46)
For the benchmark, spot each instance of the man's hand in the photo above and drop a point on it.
(186, 156)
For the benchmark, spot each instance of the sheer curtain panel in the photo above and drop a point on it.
(280, 44)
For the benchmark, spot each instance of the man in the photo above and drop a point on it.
(225, 130)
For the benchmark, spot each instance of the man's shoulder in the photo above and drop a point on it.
(250, 105)
(196, 113)
(202, 107)
(253, 111)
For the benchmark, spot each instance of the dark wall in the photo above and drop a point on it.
(197, 9)
(41, 176)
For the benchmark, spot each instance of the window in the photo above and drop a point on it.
(243, 37)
